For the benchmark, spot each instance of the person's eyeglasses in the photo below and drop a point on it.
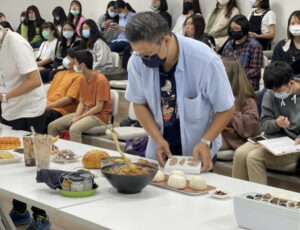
(146, 57)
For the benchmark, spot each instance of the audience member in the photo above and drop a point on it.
(217, 21)
(75, 15)
(161, 7)
(59, 18)
(31, 27)
(246, 48)
(189, 7)
(178, 118)
(93, 40)
(262, 23)
(280, 117)
(288, 50)
(125, 11)
(23, 103)
(5, 24)
(22, 18)
(94, 107)
(244, 122)
(105, 21)
(63, 93)
(194, 28)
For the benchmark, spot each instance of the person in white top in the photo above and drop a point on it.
(46, 53)
(262, 23)
(189, 7)
(23, 99)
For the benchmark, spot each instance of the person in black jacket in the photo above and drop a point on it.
(161, 7)
(288, 50)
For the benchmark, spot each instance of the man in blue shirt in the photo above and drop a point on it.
(180, 90)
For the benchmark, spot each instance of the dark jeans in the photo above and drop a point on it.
(118, 46)
(38, 123)
(51, 115)
(22, 207)
(47, 75)
(126, 56)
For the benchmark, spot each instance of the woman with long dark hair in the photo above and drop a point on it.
(189, 7)
(75, 15)
(161, 7)
(105, 21)
(262, 23)
(31, 27)
(217, 21)
(93, 40)
(59, 17)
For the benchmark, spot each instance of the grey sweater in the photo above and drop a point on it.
(273, 107)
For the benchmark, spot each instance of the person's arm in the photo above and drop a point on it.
(95, 110)
(270, 35)
(79, 111)
(277, 52)
(60, 103)
(44, 62)
(100, 60)
(32, 82)
(246, 120)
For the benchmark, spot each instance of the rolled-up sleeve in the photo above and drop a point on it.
(134, 91)
(218, 90)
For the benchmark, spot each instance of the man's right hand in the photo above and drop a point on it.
(162, 150)
(282, 122)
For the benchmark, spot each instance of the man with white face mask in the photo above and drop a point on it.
(289, 50)
(217, 21)
(280, 117)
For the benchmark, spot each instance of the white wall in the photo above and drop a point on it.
(94, 8)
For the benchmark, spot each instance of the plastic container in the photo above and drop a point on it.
(29, 155)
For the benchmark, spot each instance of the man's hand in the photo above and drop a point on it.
(201, 150)
(253, 35)
(162, 150)
(282, 122)
(297, 141)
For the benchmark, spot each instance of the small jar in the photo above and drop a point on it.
(88, 181)
(77, 184)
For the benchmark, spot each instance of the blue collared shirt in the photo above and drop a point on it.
(123, 23)
(203, 89)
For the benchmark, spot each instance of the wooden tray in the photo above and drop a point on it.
(187, 190)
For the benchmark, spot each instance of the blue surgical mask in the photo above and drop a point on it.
(77, 70)
(86, 33)
(112, 14)
(122, 15)
(154, 8)
(68, 34)
(66, 63)
(74, 12)
(32, 19)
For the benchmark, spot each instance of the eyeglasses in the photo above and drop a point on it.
(146, 57)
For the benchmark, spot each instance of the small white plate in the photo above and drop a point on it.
(220, 197)
(64, 161)
(13, 160)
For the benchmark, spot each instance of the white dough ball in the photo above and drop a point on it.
(177, 173)
(176, 181)
(197, 183)
(159, 176)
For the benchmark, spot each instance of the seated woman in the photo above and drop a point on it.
(194, 28)
(93, 40)
(161, 7)
(189, 7)
(244, 122)
(280, 117)
(104, 22)
(75, 15)
(217, 21)
(262, 23)
(59, 18)
(31, 27)
(288, 50)
(246, 48)
(125, 11)
(46, 53)
(22, 18)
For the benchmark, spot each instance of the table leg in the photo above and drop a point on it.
(5, 221)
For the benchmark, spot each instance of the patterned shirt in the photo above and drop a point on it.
(109, 33)
(251, 57)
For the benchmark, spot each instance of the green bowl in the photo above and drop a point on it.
(77, 194)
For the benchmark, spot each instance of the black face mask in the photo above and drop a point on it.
(236, 35)
(188, 6)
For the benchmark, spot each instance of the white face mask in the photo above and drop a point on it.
(283, 95)
(22, 19)
(295, 30)
(223, 2)
(254, 3)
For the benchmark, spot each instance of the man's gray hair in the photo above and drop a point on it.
(147, 26)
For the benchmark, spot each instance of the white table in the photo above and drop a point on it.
(153, 208)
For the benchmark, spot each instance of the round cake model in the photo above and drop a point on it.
(9, 142)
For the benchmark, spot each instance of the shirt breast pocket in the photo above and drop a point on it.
(195, 109)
